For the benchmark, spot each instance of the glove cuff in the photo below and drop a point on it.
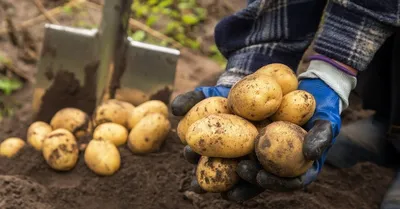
(341, 82)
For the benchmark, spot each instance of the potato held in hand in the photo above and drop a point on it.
(102, 157)
(297, 107)
(255, 97)
(153, 106)
(74, 120)
(37, 132)
(113, 132)
(222, 135)
(206, 107)
(216, 174)
(113, 111)
(11, 146)
(282, 74)
(60, 150)
(149, 134)
(279, 148)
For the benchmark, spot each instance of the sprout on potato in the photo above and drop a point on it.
(152, 106)
(11, 146)
(74, 120)
(37, 132)
(102, 157)
(113, 132)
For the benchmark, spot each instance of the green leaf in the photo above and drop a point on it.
(165, 3)
(67, 10)
(151, 20)
(190, 19)
(201, 12)
(185, 5)
(152, 2)
(139, 35)
(7, 85)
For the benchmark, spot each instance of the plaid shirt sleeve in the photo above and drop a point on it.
(279, 31)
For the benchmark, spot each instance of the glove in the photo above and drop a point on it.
(323, 81)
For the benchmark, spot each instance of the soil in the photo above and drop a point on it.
(161, 179)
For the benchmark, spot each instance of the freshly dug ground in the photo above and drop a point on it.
(158, 180)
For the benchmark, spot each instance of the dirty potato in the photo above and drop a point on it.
(113, 111)
(102, 157)
(152, 106)
(11, 146)
(113, 132)
(222, 135)
(149, 133)
(279, 148)
(37, 131)
(211, 105)
(133, 96)
(296, 107)
(216, 174)
(282, 74)
(255, 97)
(74, 120)
(60, 150)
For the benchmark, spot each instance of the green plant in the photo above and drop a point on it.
(8, 85)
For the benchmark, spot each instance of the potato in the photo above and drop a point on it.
(282, 74)
(152, 106)
(60, 150)
(11, 146)
(296, 107)
(149, 133)
(74, 120)
(133, 96)
(102, 157)
(222, 135)
(255, 97)
(279, 148)
(216, 174)
(113, 132)
(37, 131)
(211, 105)
(113, 111)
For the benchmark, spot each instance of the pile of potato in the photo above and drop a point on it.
(114, 123)
(263, 113)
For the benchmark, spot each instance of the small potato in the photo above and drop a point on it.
(296, 107)
(37, 132)
(222, 135)
(113, 132)
(149, 133)
(279, 148)
(113, 111)
(282, 74)
(133, 96)
(211, 105)
(74, 120)
(216, 174)
(102, 157)
(60, 150)
(152, 106)
(11, 146)
(255, 97)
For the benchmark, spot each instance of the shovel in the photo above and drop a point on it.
(82, 67)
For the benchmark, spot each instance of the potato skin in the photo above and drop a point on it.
(74, 120)
(36, 133)
(152, 106)
(222, 135)
(149, 134)
(113, 111)
(282, 74)
(297, 107)
(102, 157)
(113, 132)
(11, 146)
(208, 106)
(60, 150)
(216, 174)
(279, 148)
(255, 97)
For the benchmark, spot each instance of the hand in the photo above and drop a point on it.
(322, 128)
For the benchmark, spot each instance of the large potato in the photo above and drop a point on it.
(206, 107)
(222, 135)
(11, 146)
(152, 106)
(74, 120)
(113, 132)
(37, 132)
(279, 148)
(296, 107)
(255, 97)
(216, 174)
(102, 157)
(149, 134)
(60, 150)
(282, 74)
(113, 111)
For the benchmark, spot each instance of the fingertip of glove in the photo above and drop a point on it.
(184, 102)
(248, 169)
(190, 155)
